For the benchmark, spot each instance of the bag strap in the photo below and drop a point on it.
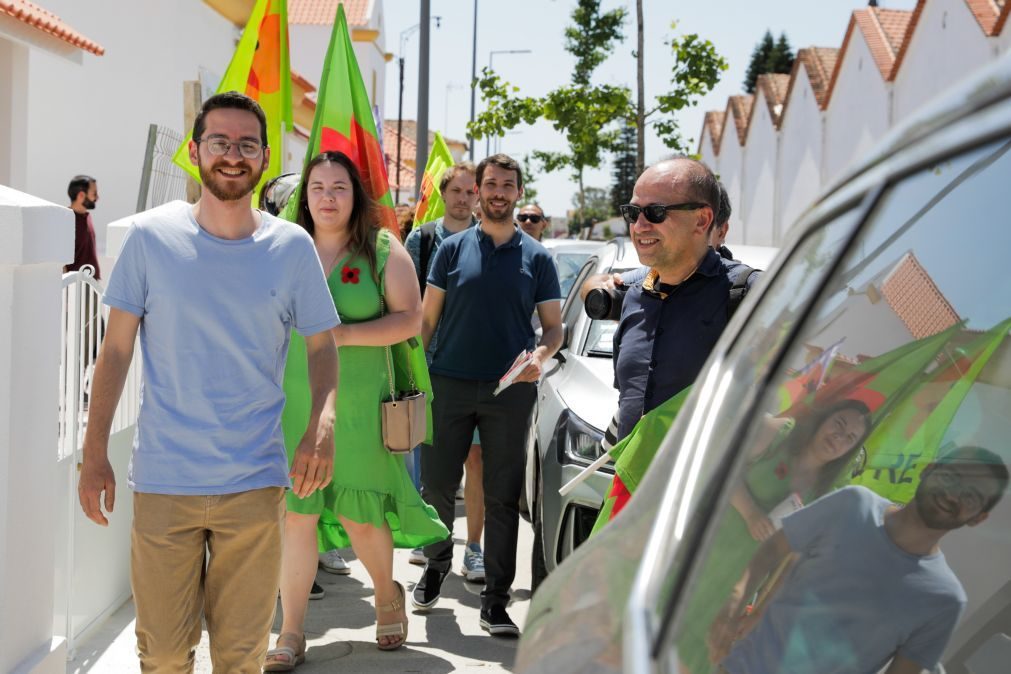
(388, 348)
(427, 245)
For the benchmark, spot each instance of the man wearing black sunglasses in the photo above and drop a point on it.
(532, 220)
(677, 305)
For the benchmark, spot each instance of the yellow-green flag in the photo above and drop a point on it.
(260, 68)
(430, 203)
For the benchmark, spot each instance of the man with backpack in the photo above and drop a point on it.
(678, 304)
(458, 187)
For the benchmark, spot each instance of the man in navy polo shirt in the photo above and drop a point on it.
(484, 284)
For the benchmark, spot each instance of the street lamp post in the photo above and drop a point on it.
(491, 59)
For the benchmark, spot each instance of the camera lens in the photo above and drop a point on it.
(598, 304)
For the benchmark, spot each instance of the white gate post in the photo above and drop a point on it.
(36, 240)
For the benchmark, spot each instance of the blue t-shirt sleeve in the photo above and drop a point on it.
(548, 289)
(438, 268)
(804, 527)
(312, 309)
(413, 245)
(127, 289)
(634, 276)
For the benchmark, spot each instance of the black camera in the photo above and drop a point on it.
(604, 304)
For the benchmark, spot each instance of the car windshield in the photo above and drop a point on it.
(569, 265)
(881, 430)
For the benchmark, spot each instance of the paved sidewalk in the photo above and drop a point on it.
(341, 626)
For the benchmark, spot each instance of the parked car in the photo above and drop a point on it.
(904, 256)
(575, 403)
(569, 256)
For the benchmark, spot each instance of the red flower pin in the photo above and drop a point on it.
(782, 470)
(350, 274)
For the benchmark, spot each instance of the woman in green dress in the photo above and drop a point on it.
(797, 461)
(371, 502)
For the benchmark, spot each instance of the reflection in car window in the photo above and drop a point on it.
(884, 432)
(600, 338)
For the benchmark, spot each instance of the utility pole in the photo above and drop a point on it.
(473, 77)
(422, 139)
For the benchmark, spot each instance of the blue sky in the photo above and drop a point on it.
(734, 27)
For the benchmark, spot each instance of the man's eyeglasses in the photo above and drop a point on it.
(532, 217)
(219, 147)
(656, 213)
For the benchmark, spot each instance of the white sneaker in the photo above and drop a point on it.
(417, 557)
(332, 562)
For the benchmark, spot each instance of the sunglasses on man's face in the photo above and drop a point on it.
(656, 213)
(532, 217)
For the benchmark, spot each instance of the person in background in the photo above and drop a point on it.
(83, 193)
(532, 220)
(718, 237)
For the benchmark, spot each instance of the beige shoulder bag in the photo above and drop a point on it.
(403, 414)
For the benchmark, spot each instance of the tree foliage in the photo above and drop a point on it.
(590, 116)
(769, 56)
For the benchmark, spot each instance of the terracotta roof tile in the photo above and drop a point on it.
(1005, 11)
(37, 17)
(916, 299)
(713, 122)
(323, 12)
(987, 12)
(819, 62)
(739, 108)
(773, 87)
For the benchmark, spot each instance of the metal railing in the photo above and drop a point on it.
(82, 330)
(161, 181)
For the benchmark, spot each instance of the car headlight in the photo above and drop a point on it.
(580, 442)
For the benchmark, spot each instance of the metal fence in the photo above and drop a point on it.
(161, 180)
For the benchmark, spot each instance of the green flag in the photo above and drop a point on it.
(430, 203)
(260, 69)
(344, 123)
(908, 439)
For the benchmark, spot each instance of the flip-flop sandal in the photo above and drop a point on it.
(397, 629)
(293, 658)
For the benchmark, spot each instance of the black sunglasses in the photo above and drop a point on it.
(656, 213)
(532, 217)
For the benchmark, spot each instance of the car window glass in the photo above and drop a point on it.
(573, 306)
(569, 265)
(883, 431)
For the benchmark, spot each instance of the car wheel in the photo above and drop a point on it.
(538, 565)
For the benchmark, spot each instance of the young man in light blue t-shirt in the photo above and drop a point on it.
(869, 586)
(214, 290)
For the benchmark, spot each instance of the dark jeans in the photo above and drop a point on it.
(458, 406)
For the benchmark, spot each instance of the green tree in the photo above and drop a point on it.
(759, 61)
(529, 180)
(769, 56)
(623, 172)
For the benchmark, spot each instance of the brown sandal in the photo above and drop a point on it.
(397, 629)
(294, 658)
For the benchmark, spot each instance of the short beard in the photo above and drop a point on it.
(88, 204)
(486, 209)
(223, 193)
(931, 516)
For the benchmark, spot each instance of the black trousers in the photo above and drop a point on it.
(459, 406)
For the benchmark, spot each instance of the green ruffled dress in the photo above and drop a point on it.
(369, 484)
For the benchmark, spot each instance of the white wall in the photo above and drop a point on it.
(35, 240)
(709, 158)
(730, 176)
(800, 147)
(858, 111)
(93, 118)
(948, 44)
(759, 185)
(13, 113)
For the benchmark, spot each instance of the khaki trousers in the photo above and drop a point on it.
(215, 555)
